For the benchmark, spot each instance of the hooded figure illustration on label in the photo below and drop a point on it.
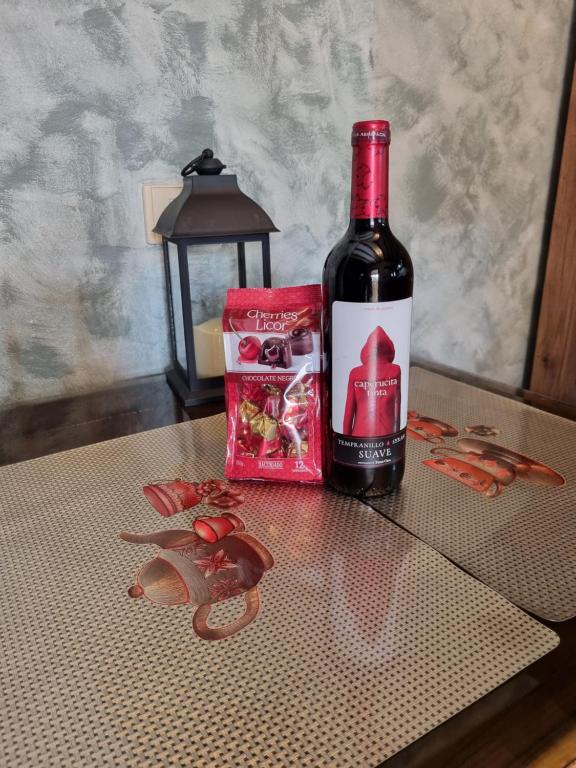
(373, 397)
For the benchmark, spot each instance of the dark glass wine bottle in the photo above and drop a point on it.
(368, 280)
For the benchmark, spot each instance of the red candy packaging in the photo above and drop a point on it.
(272, 348)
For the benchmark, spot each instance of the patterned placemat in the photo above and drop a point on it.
(519, 537)
(366, 638)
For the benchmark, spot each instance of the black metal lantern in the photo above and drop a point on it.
(210, 210)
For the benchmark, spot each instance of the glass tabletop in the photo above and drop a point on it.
(271, 625)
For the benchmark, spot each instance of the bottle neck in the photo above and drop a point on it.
(362, 226)
(369, 194)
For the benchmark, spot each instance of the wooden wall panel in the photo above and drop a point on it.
(554, 368)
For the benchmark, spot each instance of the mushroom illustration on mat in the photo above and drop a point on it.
(428, 429)
(487, 468)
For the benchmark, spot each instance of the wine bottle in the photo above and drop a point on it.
(367, 280)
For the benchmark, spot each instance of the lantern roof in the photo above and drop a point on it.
(211, 205)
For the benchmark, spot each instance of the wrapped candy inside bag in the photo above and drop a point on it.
(272, 348)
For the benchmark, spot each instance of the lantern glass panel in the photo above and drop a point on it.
(213, 269)
(253, 264)
(180, 350)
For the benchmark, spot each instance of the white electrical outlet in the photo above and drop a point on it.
(156, 195)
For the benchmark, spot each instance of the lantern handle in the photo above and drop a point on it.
(204, 165)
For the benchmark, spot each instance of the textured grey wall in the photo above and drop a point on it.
(99, 95)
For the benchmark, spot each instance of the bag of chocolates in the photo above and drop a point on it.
(272, 349)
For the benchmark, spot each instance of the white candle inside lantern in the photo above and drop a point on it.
(209, 348)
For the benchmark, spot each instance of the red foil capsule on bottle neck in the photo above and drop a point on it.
(369, 195)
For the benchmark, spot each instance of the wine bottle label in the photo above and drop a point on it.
(370, 364)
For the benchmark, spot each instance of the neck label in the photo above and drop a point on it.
(369, 196)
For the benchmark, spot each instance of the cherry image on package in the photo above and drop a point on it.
(273, 357)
